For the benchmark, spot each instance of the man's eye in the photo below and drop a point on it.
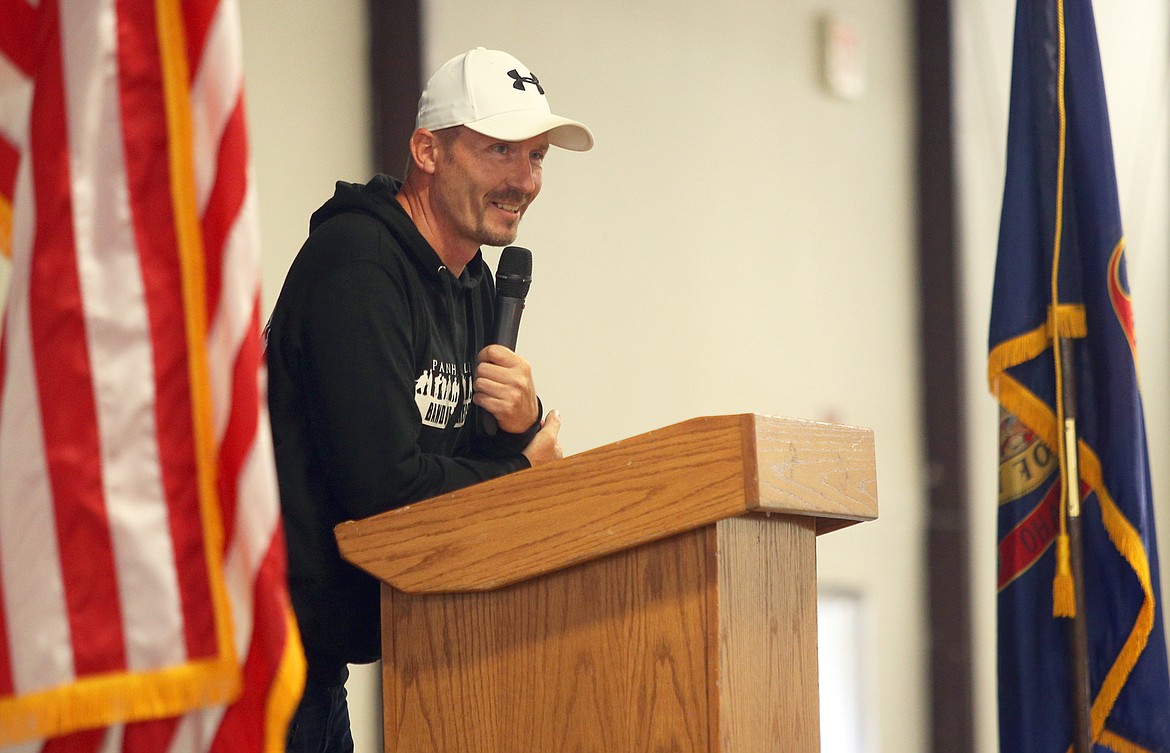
(538, 156)
(500, 148)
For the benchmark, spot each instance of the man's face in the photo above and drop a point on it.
(484, 185)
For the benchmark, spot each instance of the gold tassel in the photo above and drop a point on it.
(1068, 321)
(1064, 601)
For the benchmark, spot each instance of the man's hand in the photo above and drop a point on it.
(544, 446)
(504, 388)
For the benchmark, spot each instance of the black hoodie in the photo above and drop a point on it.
(371, 353)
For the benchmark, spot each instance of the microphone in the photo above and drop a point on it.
(513, 278)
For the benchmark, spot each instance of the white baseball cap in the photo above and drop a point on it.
(493, 93)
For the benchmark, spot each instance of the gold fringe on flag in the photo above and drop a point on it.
(5, 228)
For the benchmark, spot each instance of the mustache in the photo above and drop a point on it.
(509, 197)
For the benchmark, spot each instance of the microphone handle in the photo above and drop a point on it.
(508, 311)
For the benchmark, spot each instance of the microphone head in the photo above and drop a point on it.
(514, 272)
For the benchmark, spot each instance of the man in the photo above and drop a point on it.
(379, 368)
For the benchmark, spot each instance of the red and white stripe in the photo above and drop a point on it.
(115, 573)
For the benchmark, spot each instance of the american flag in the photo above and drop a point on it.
(143, 604)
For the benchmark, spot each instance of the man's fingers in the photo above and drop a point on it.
(490, 373)
(496, 379)
(498, 355)
(544, 447)
(503, 387)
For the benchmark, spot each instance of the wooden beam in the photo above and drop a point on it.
(948, 567)
(395, 57)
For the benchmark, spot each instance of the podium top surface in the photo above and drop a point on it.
(619, 496)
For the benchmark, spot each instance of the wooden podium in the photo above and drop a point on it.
(655, 594)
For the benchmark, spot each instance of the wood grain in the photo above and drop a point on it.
(813, 468)
(617, 497)
(701, 642)
(675, 608)
(610, 655)
(542, 519)
(766, 677)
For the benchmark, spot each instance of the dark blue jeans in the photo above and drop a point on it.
(321, 722)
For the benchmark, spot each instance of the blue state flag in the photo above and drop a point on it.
(1061, 270)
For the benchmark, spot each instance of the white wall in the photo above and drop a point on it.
(1134, 46)
(308, 111)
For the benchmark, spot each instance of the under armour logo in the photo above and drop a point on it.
(520, 81)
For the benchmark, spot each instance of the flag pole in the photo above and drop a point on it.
(1078, 632)
(1068, 587)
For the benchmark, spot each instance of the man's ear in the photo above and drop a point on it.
(424, 150)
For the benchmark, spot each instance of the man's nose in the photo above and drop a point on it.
(525, 176)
